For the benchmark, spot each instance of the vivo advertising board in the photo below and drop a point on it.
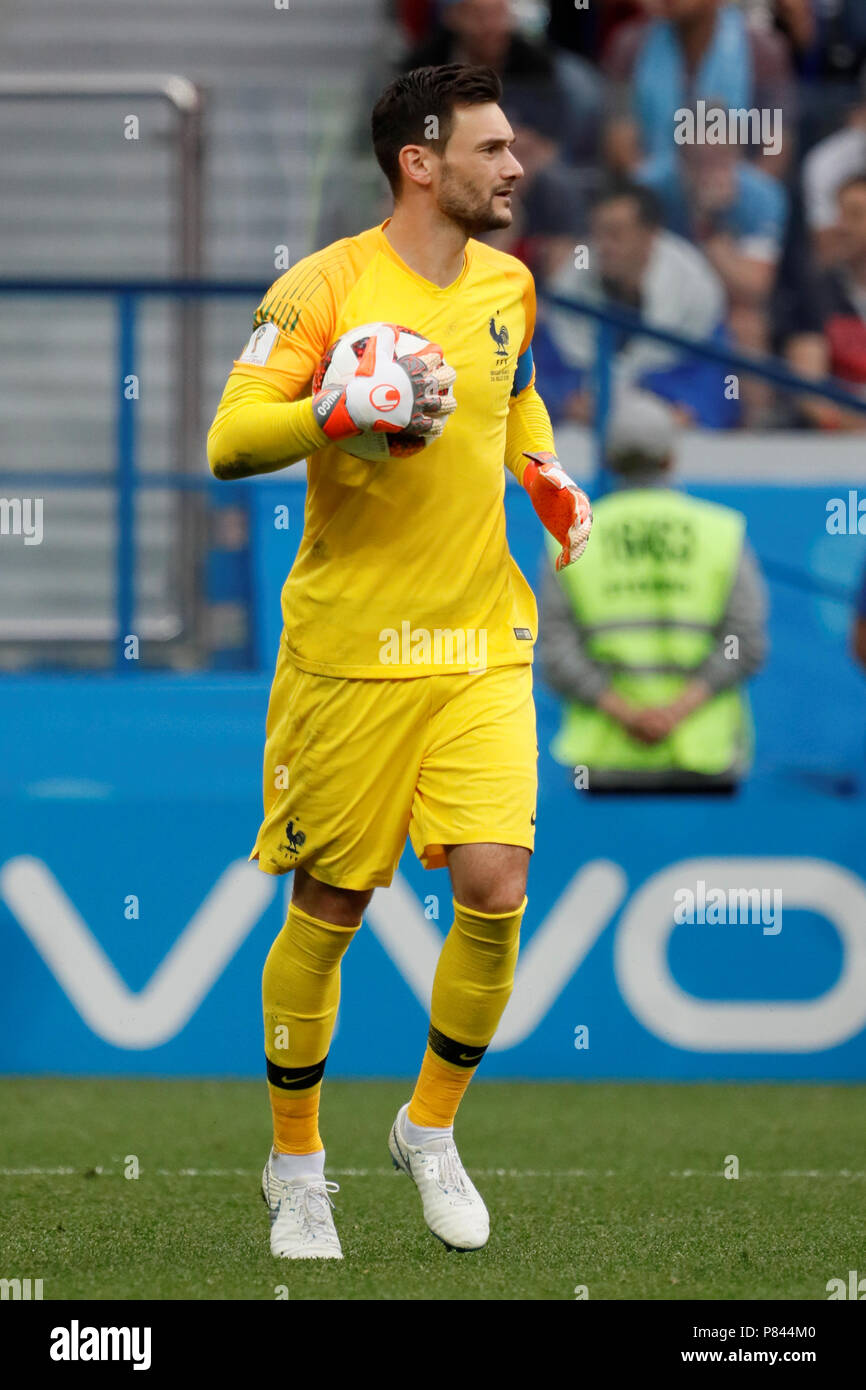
(684, 937)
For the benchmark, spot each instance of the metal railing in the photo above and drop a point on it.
(127, 478)
(610, 318)
(185, 100)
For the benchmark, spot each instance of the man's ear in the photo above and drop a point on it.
(415, 165)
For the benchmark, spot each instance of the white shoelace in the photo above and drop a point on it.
(452, 1177)
(315, 1202)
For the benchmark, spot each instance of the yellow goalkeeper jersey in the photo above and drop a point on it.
(404, 569)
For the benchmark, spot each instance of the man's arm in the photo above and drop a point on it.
(745, 619)
(528, 426)
(530, 455)
(261, 427)
(748, 278)
(529, 429)
(256, 430)
(561, 506)
(565, 664)
(809, 354)
(570, 670)
(265, 419)
(572, 673)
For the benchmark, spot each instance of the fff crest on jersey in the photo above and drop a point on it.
(500, 338)
(502, 359)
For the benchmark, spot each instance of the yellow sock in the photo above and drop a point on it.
(300, 996)
(472, 985)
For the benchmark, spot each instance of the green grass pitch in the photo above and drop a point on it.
(615, 1187)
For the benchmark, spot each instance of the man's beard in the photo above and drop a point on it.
(462, 203)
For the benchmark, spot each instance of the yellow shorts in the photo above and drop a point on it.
(352, 766)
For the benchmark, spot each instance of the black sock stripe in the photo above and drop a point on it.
(458, 1053)
(296, 1078)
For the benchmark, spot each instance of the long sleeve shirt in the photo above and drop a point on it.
(571, 672)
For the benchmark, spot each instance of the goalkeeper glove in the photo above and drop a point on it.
(388, 393)
(562, 506)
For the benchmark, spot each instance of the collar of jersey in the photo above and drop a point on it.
(428, 284)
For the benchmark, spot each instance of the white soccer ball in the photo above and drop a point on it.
(337, 368)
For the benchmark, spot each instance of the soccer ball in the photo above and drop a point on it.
(338, 366)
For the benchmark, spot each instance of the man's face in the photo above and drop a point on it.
(710, 173)
(474, 180)
(482, 26)
(620, 240)
(852, 223)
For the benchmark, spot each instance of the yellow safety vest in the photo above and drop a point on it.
(649, 594)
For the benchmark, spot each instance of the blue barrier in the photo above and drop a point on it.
(133, 931)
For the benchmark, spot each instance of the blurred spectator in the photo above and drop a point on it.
(737, 216)
(631, 261)
(485, 31)
(590, 30)
(826, 167)
(697, 49)
(651, 637)
(841, 40)
(827, 39)
(798, 22)
(416, 18)
(552, 197)
(551, 217)
(827, 325)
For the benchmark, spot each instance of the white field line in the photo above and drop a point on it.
(544, 1173)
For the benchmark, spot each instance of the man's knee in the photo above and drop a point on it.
(489, 878)
(344, 907)
(497, 899)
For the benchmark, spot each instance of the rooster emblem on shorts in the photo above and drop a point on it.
(500, 338)
(295, 838)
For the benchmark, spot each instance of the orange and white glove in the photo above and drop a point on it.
(386, 393)
(561, 505)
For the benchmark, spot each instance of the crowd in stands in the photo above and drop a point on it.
(747, 227)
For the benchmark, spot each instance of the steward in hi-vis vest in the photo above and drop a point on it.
(650, 636)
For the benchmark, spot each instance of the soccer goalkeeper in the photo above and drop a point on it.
(362, 747)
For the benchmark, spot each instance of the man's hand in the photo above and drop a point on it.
(667, 717)
(629, 716)
(386, 393)
(561, 505)
(653, 723)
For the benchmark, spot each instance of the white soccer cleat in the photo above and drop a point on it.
(453, 1208)
(302, 1227)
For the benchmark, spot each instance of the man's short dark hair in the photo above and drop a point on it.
(646, 203)
(402, 114)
